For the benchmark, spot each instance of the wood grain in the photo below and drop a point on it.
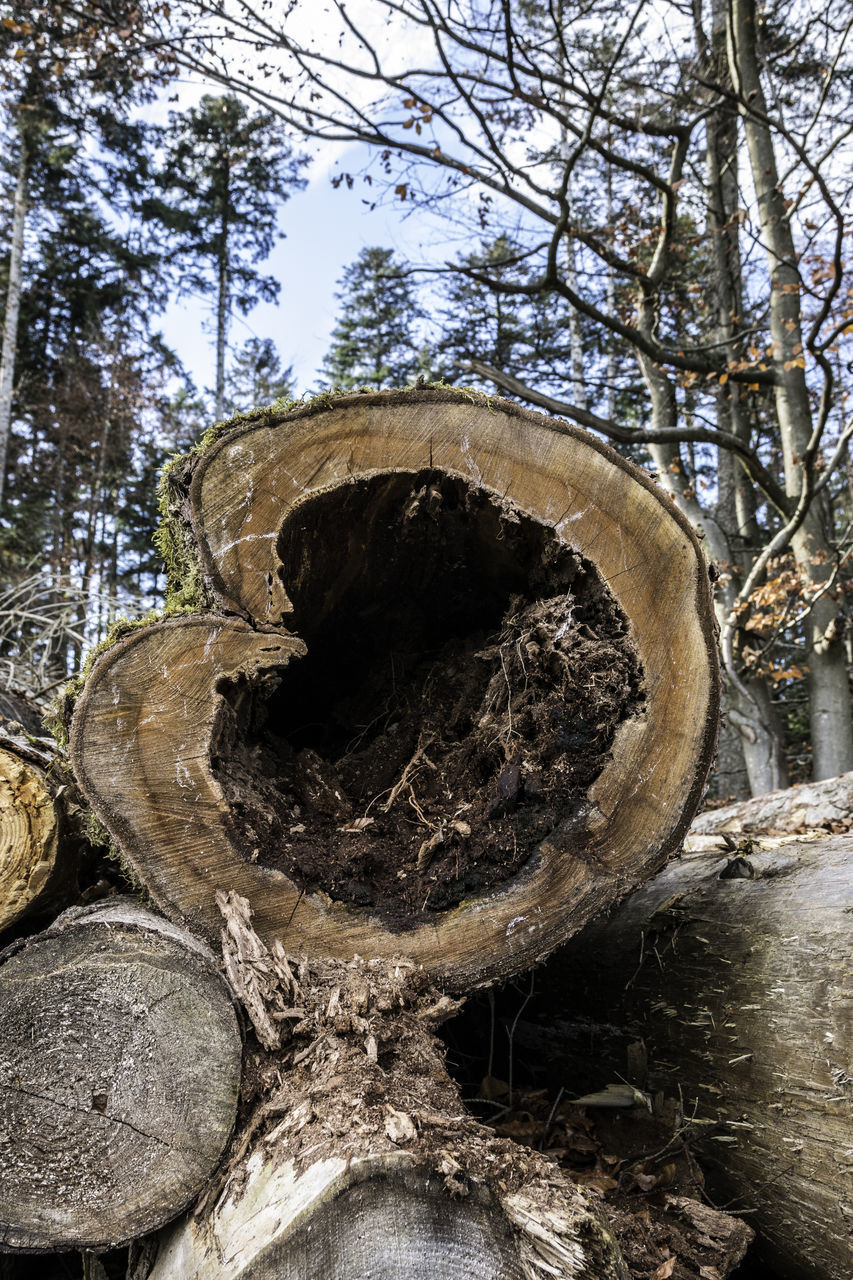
(30, 829)
(144, 727)
(119, 1070)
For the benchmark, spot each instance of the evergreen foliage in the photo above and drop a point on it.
(224, 174)
(376, 341)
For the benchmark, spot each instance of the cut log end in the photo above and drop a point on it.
(119, 1071)
(30, 829)
(504, 705)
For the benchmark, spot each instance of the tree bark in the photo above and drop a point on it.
(753, 716)
(41, 844)
(810, 806)
(386, 529)
(829, 700)
(725, 984)
(120, 1063)
(13, 307)
(223, 308)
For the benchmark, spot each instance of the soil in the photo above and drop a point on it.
(465, 677)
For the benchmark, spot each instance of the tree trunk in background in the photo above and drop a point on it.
(468, 611)
(13, 308)
(829, 692)
(753, 719)
(120, 1061)
(222, 310)
(725, 985)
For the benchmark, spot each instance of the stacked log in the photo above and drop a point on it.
(433, 702)
(41, 842)
(420, 700)
(119, 1071)
(721, 990)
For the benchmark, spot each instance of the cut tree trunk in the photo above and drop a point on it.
(470, 701)
(41, 844)
(359, 1158)
(725, 983)
(120, 1060)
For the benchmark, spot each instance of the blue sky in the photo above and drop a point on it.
(325, 229)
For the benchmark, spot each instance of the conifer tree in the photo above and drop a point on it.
(256, 377)
(225, 173)
(376, 341)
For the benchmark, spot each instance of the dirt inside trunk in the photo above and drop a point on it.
(465, 676)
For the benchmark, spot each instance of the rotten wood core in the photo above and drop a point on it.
(465, 676)
(475, 667)
(120, 1059)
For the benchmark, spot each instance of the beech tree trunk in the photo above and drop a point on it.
(725, 984)
(829, 692)
(120, 1060)
(468, 699)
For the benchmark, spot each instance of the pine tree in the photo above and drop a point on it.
(377, 340)
(224, 175)
(255, 376)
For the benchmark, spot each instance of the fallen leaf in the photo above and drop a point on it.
(665, 1269)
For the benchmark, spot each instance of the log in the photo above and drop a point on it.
(451, 689)
(725, 984)
(809, 806)
(18, 712)
(359, 1159)
(120, 1060)
(41, 843)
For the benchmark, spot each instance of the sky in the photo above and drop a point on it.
(325, 229)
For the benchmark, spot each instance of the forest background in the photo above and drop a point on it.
(634, 216)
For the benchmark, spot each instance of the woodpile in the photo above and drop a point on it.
(436, 686)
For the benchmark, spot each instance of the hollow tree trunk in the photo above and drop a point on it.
(468, 700)
(41, 843)
(727, 978)
(120, 1062)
